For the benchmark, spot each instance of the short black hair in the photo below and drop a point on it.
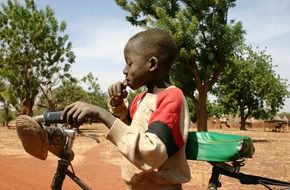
(159, 43)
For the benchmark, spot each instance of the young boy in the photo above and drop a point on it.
(151, 133)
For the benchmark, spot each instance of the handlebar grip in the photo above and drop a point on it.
(53, 117)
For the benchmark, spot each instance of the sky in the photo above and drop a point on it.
(98, 31)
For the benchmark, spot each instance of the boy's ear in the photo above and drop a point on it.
(153, 63)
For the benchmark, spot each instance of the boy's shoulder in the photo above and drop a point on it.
(171, 91)
(170, 95)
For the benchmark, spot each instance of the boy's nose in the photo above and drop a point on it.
(125, 71)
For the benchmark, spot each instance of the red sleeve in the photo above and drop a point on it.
(168, 109)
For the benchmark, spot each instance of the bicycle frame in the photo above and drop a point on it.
(228, 170)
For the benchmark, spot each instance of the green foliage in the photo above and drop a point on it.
(192, 113)
(95, 95)
(7, 99)
(62, 96)
(250, 86)
(215, 109)
(70, 92)
(3, 119)
(205, 38)
(34, 54)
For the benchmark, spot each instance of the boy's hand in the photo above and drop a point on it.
(79, 112)
(117, 93)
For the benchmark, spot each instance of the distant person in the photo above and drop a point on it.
(224, 121)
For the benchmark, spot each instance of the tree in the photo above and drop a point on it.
(215, 109)
(70, 92)
(34, 54)
(250, 86)
(95, 95)
(64, 95)
(5, 102)
(205, 39)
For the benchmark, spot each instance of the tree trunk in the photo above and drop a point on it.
(27, 107)
(7, 117)
(243, 121)
(51, 105)
(201, 113)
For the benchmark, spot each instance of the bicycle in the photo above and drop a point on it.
(200, 146)
(50, 118)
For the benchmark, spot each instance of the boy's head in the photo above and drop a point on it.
(150, 53)
(156, 43)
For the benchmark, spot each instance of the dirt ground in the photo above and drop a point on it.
(98, 163)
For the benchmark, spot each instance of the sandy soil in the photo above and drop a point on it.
(98, 163)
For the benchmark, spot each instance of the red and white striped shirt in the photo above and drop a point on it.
(154, 142)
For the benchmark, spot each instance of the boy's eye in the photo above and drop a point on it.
(129, 63)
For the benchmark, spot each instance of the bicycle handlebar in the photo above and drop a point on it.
(53, 117)
(50, 118)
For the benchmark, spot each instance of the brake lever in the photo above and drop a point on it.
(89, 136)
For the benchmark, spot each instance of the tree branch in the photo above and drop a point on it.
(217, 71)
(194, 70)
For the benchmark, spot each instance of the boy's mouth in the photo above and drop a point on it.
(125, 83)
